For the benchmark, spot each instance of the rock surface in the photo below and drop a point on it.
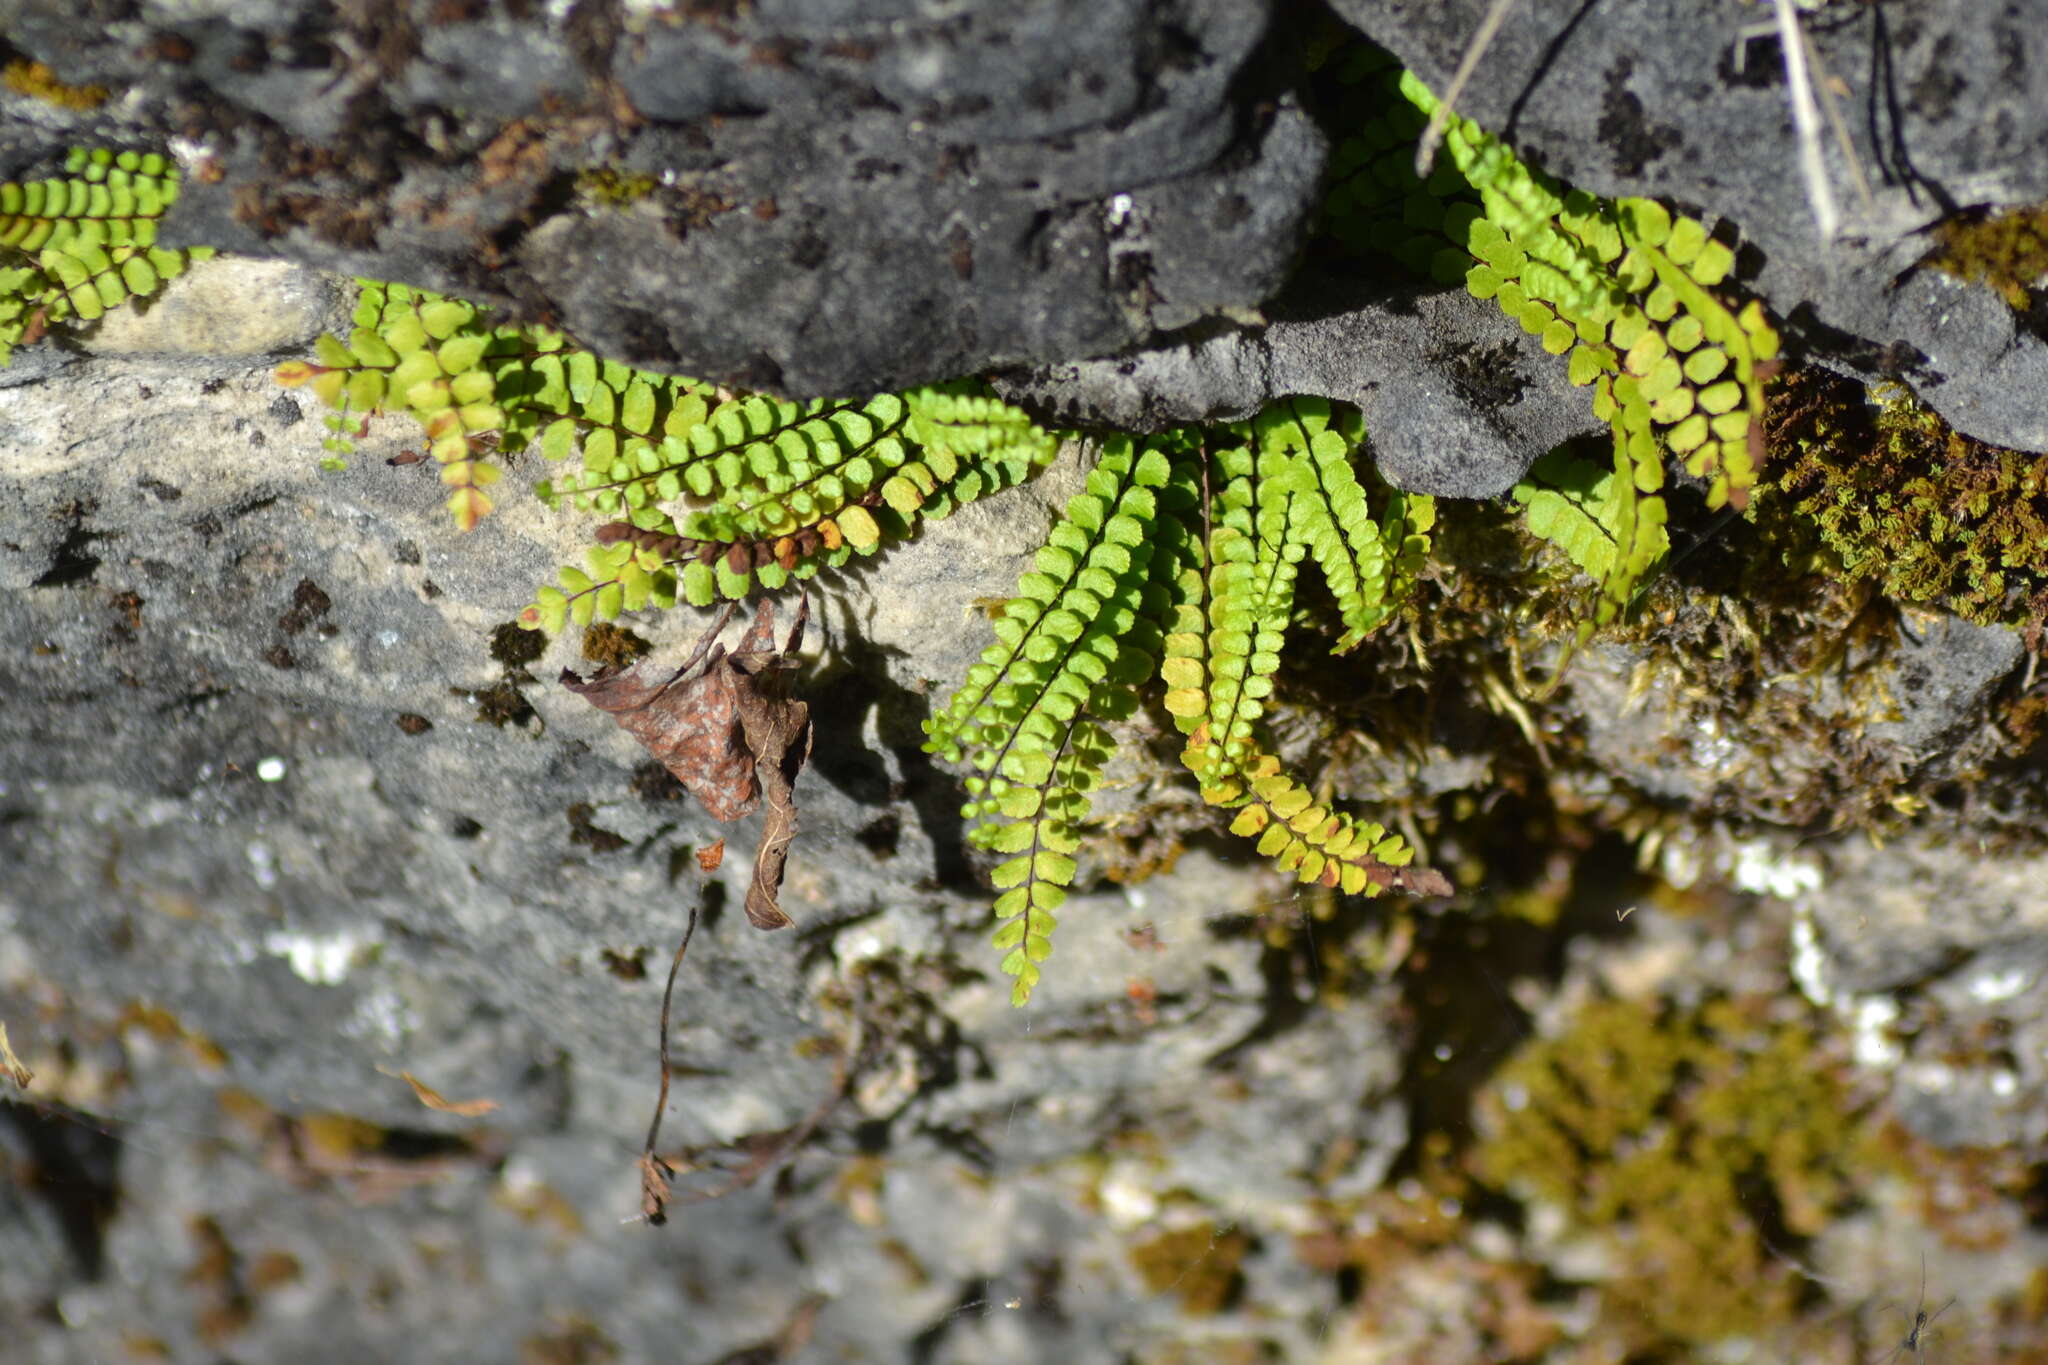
(1458, 400)
(799, 196)
(335, 938)
(344, 939)
(1945, 105)
(265, 859)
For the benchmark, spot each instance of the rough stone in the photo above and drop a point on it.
(1963, 933)
(805, 196)
(229, 306)
(1458, 400)
(1657, 737)
(244, 901)
(1647, 100)
(1946, 672)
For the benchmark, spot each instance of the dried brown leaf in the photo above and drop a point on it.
(431, 1098)
(730, 733)
(654, 1188)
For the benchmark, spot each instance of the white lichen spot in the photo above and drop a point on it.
(322, 959)
(262, 864)
(1761, 869)
(521, 1177)
(382, 1016)
(1127, 1200)
(1681, 863)
(1809, 959)
(1870, 1023)
(1992, 987)
(189, 152)
(1119, 210)
(271, 769)
(1708, 747)
(860, 947)
(1930, 1078)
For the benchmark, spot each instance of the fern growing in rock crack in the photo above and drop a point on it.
(1178, 561)
(790, 486)
(1625, 287)
(71, 247)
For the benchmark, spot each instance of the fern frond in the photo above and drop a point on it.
(1572, 503)
(76, 246)
(1065, 629)
(1332, 516)
(1316, 844)
(1070, 648)
(1033, 811)
(620, 574)
(1631, 292)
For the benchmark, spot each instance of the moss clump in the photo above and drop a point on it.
(514, 647)
(500, 704)
(1198, 1263)
(34, 78)
(607, 645)
(1899, 498)
(609, 187)
(2008, 251)
(1687, 1138)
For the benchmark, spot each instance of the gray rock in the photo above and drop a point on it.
(263, 861)
(833, 198)
(1950, 942)
(229, 306)
(1786, 760)
(1946, 672)
(1947, 108)
(1458, 400)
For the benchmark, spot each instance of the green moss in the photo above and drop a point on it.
(2008, 251)
(1898, 498)
(609, 187)
(1198, 1263)
(515, 648)
(1685, 1138)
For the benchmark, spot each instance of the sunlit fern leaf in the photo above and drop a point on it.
(1332, 516)
(1572, 503)
(1317, 844)
(1069, 648)
(1177, 559)
(1629, 292)
(76, 245)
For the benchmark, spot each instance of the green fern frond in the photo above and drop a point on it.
(1036, 811)
(1573, 504)
(1315, 843)
(1332, 516)
(73, 247)
(1254, 559)
(1198, 590)
(1070, 649)
(621, 573)
(793, 486)
(1626, 288)
(1629, 291)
